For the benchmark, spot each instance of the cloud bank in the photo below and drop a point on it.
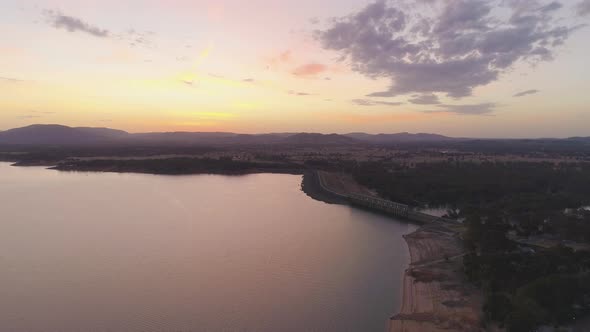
(425, 99)
(450, 46)
(583, 8)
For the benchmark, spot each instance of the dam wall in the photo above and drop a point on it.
(380, 205)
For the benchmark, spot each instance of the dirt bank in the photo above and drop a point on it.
(436, 295)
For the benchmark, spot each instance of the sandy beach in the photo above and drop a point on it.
(436, 295)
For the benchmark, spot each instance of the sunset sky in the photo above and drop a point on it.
(476, 68)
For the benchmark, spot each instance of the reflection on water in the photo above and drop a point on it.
(130, 252)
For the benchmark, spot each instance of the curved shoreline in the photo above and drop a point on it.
(312, 186)
(435, 295)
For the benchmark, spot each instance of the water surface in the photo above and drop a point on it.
(132, 252)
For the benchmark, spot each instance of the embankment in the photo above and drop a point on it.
(312, 185)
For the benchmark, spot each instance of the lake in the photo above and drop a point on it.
(135, 252)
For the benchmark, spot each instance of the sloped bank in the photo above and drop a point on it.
(436, 295)
(311, 186)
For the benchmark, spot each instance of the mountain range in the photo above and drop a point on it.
(63, 135)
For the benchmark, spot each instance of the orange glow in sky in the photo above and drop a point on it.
(277, 66)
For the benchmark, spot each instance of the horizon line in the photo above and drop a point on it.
(300, 132)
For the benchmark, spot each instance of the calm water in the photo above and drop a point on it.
(129, 252)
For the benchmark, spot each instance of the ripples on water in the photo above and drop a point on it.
(130, 252)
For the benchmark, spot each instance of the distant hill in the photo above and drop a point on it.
(63, 135)
(580, 139)
(57, 134)
(399, 137)
(183, 137)
(206, 138)
(103, 132)
(318, 139)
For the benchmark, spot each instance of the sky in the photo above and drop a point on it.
(468, 68)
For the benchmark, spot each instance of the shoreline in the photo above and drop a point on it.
(208, 172)
(311, 185)
(435, 294)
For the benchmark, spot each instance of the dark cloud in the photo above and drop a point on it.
(551, 6)
(473, 109)
(73, 24)
(527, 92)
(132, 37)
(369, 102)
(299, 93)
(425, 99)
(449, 46)
(583, 8)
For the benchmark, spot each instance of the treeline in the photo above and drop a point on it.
(465, 183)
(176, 166)
(532, 196)
(524, 286)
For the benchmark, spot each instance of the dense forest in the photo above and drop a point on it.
(530, 195)
(525, 286)
(564, 185)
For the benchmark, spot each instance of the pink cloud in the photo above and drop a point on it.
(310, 69)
